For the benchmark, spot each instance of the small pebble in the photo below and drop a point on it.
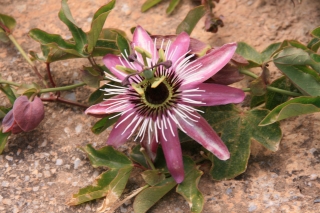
(36, 188)
(6, 202)
(26, 178)
(5, 184)
(44, 143)
(252, 207)
(78, 128)
(317, 200)
(46, 174)
(59, 162)
(9, 158)
(77, 163)
(313, 176)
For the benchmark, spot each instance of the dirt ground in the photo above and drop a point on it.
(41, 169)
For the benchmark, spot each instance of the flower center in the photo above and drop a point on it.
(157, 95)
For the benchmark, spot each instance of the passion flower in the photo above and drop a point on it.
(160, 88)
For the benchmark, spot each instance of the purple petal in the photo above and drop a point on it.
(112, 105)
(7, 122)
(202, 132)
(118, 135)
(211, 63)
(112, 60)
(28, 115)
(216, 94)
(142, 39)
(178, 48)
(173, 154)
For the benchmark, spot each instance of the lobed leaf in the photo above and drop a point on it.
(91, 77)
(237, 129)
(190, 21)
(153, 177)
(148, 4)
(291, 108)
(249, 53)
(97, 23)
(138, 157)
(189, 187)
(107, 157)
(123, 44)
(149, 196)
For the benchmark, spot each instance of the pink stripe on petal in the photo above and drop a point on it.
(151, 148)
(118, 136)
(211, 63)
(173, 154)
(142, 39)
(216, 94)
(179, 47)
(202, 132)
(109, 106)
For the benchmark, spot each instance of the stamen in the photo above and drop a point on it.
(157, 82)
(138, 89)
(162, 56)
(124, 69)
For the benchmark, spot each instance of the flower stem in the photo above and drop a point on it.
(62, 100)
(10, 83)
(143, 151)
(62, 88)
(248, 73)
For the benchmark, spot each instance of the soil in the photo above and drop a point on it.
(40, 170)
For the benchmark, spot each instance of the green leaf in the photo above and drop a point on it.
(123, 44)
(189, 187)
(53, 40)
(103, 124)
(78, 35)
(304, 78)
(138, 157)
(106, 156)
(148, 4)
(153, 177)
(291, 108)
(273, 99)
(91, 77)
(4, 111)
(98, 95)
(8, 21)
(314, 44)
(173, 4)
(270, 51)
(97, 23)
(257, 100)
(190, 21)
(249, 53)
(105, 46)
(237, 129)
(3, 36)
(6, 89)
(3, 140)
(109, 184)
(316, 32)
(149, 196)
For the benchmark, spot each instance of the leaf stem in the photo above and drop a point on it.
(143, 151)
(10, 83)
(62, 100)
(62, 88)
(24, 54)
(282, 91)
(248, 73)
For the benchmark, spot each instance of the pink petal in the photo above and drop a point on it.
(7, 122)
(178, 48)
(173, 154)
(202, 132)
(112, 105)
(142, 39)
(112, 60)
(211, 63)
(118, 135)
(216, 94)
(28, 114)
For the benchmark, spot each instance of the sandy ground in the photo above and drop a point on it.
(40, 170)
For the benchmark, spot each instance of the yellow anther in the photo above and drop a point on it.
(125, 69)
(143, 52)
(138, 89)
(157, 82)
(162, 56)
